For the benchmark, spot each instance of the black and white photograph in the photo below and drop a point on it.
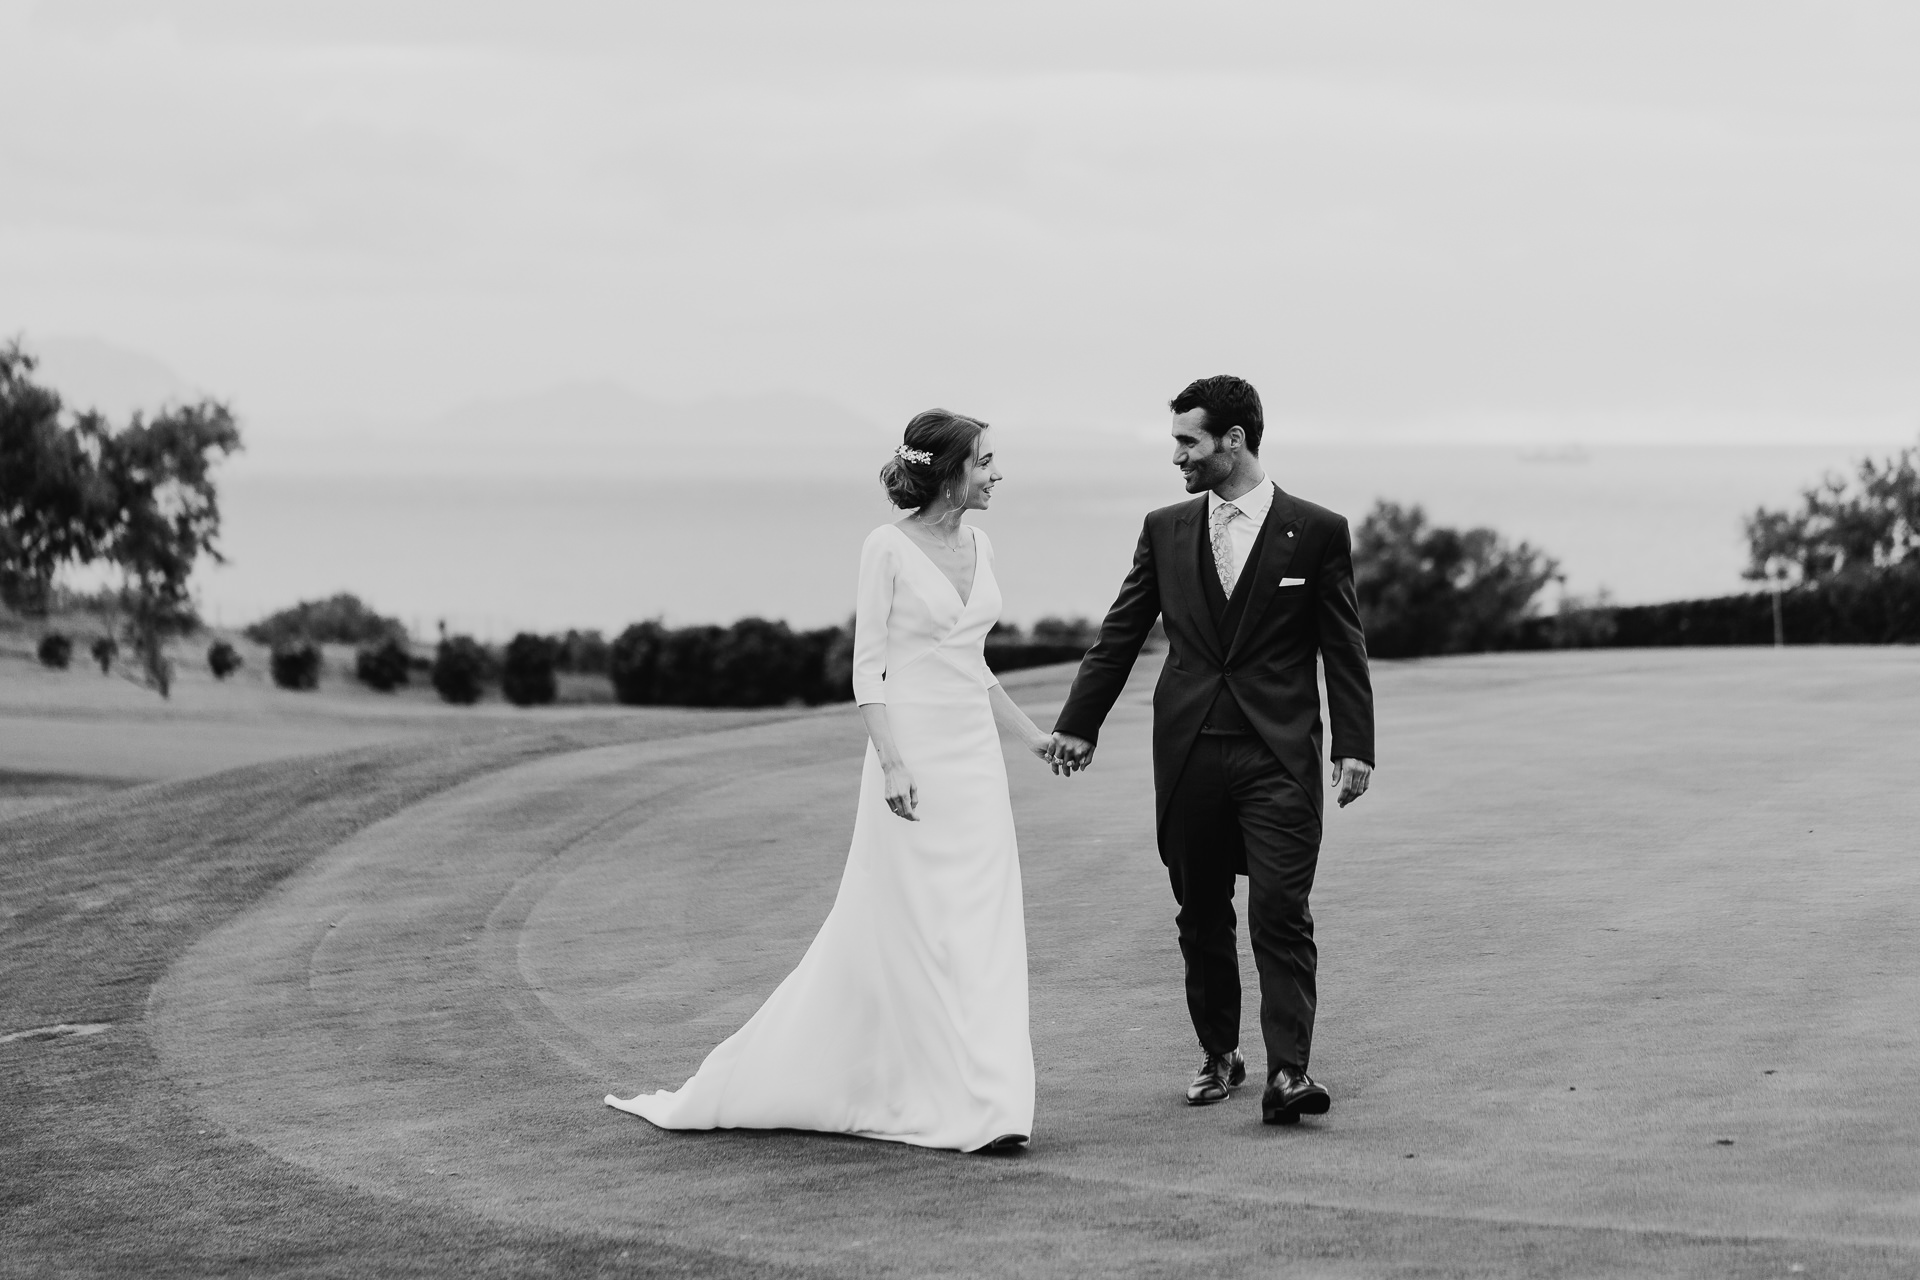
(784, 641)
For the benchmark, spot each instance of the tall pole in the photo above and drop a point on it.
(1779, 628)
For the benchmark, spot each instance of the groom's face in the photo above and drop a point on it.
(1202, 457)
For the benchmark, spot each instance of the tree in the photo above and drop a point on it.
(1426, 589)
(1844, 527)
(339, 619)
(55, 505)
(74, 491)
(168, 516)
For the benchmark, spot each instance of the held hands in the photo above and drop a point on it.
(1067, 754)
(1350, 777)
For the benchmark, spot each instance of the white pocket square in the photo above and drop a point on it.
(1293, 582)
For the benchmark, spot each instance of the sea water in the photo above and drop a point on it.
(492, 554)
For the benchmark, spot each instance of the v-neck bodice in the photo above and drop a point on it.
(972, 533)
(914, 638)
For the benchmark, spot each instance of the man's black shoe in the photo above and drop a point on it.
(1219, 1075)
(1293, 1093)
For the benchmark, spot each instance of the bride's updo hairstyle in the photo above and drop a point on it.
(931, 458)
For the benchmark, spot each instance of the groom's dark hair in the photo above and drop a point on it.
(1230, 402)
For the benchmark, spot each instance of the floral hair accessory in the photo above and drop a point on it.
(920, 456)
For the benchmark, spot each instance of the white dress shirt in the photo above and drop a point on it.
(1244, 528)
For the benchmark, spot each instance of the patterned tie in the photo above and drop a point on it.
(1223, 546)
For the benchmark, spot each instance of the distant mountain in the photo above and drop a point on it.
(605, 414)
(92, 374)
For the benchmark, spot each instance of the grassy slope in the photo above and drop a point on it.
(104, 1173)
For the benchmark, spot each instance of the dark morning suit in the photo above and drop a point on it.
(1237, 743)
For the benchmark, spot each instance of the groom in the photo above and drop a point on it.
(1253, 584)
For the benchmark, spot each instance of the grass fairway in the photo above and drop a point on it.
(1617, 980)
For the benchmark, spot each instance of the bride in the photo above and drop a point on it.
(907, 1017)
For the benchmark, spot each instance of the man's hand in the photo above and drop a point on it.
(1070, 754)
(1350, 777)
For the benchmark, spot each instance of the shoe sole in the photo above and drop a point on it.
(1314, 1104)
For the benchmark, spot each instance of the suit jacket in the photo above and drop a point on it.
(1267, 662)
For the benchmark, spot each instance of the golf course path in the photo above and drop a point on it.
(1617, 969)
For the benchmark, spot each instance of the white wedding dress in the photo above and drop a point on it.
(907, 1017)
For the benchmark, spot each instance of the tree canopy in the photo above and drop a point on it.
(339, 619)
(1844, 527)
(1427, 589)
(75, 491)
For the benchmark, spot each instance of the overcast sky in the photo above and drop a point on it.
(1607, 222)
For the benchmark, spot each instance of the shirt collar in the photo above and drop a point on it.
(1254, 503)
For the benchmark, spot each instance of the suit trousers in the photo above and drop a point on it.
(1235, 795)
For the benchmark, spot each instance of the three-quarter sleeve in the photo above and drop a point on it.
(871, 609)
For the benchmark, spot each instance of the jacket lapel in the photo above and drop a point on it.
(1276, 553)
(1189, 544)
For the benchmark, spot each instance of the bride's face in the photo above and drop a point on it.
(981, 474)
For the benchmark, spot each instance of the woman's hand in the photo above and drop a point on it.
(1041, 744)
(902, 796)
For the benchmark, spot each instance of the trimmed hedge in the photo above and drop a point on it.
(1022, 654)
(753, 663)
(1875, 608)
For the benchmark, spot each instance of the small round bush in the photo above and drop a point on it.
(382, 666)
(296, 665)
(222, 659)
(105, 650)
(633, 664)
(756, 663)
(56, 650)
(526, 677)
(460, 670)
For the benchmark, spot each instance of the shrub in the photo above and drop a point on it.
(1864, 607)
(685, 674)
(753, 663)
(585, 652)
(382, 666)
(829, 665)
(460, 669)
(633, 664)
(105, 649)
(1019, 655)
(526, 675)
(756, 663)
(1071, 632)
(295, 665)
(56, 650)
(339, 619)
(222, 659)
